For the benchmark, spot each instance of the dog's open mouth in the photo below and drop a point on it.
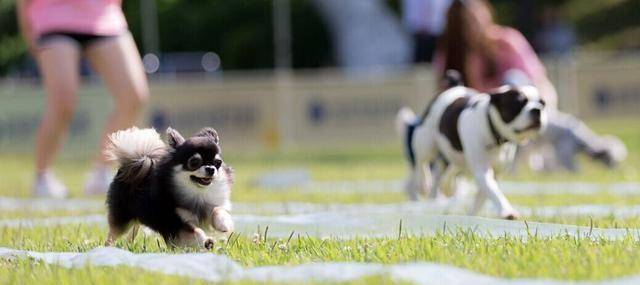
(204, 181)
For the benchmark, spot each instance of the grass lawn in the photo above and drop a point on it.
(559, 257)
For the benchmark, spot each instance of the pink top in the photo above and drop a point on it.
(97, 17)
(514, 52)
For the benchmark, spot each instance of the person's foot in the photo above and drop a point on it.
(98, 181)
(46, 185)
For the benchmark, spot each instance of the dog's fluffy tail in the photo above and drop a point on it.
(137, 151)
(404, 118)
(405, 126)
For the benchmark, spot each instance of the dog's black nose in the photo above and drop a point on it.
(210, 170)
(535, 114)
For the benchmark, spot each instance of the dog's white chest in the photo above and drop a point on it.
(187, 216)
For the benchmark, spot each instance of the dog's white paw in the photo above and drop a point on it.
(510, 214)
(222, 221)
(208, 243)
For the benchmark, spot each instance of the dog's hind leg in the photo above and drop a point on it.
(449, 182)
(438, 169)
(424, 149)
(118, 225)
(417, 182)
(481, 198)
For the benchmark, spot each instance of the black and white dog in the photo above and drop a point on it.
(175, 189)
(464, 130)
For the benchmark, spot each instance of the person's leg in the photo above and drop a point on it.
(580, 138)
(117, 61)
(58, 61)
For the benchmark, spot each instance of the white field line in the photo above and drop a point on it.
(457, 205)
(220, 268)
(441, 207)
(514, 188)
(52, 221)
(370, 224)
(47, 205)
(508, 187)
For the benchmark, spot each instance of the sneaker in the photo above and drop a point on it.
(46, 185)
(98, 181)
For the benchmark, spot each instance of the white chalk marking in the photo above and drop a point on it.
(370, 224)
(219, 268)
(47, 205)
(508, 187)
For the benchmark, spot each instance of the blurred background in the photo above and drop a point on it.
(273, 74)
(304, 75)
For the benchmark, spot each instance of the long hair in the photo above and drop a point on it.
(463, 36)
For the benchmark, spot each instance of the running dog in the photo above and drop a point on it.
(465, 130)
(175, 189)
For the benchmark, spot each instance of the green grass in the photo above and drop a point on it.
(31, 272)
(510, 257)
(558, 257)
(608, 221)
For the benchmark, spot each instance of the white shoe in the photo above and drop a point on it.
(98, 181)
(46, 185)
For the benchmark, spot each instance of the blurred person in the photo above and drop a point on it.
(58, 34)
(425, 20)
(488, 55)
(555, 37)
(484, 52)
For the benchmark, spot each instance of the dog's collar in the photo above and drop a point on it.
(499, 139)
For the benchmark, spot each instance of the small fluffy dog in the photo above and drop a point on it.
(174, 189)
(465, 130)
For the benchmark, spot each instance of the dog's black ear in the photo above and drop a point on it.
(209, 132)
(498, 94)
(174, 138)
(495, 98)
(509, 101)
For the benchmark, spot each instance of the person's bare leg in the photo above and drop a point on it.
(117, 61)
(58, 62)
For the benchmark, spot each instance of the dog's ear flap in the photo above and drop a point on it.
(174, 138)
(209, 132)
(501, 94)
(498, 93)
(495, 98)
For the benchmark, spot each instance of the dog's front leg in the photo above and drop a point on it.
(190, 234)
(489, 186)
(480, 166)
(221, 220)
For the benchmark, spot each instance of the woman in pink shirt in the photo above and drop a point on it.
(487, 54)
(58, 33)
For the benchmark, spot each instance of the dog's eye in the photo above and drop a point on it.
(543, 102)
(217, 162)
(194, 163)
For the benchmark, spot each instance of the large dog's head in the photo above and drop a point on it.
(197, 161)
(518, 113)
